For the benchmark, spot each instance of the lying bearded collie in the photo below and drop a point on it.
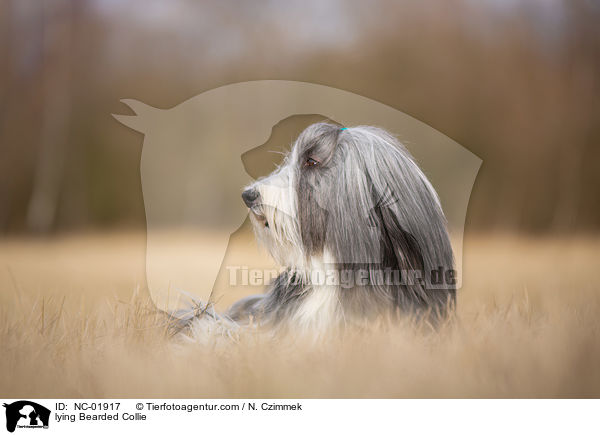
(359, 230)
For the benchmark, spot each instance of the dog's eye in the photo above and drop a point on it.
(311, 162)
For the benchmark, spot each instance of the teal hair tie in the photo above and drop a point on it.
(343, 128)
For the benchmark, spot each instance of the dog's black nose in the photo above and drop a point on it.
(250, 196)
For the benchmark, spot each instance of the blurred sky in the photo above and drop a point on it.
(514, 81)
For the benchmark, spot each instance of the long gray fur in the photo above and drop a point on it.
(364, 205)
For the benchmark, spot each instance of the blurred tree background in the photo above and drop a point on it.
(515, 82)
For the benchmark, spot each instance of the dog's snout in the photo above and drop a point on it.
(250, 196)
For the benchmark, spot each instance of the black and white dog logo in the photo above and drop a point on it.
(26, 414)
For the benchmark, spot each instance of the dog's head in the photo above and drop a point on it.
(349, 196)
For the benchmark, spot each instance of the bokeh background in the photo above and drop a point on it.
(515, 82)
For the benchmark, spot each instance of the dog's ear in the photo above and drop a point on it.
(401, 251)
(399, 248)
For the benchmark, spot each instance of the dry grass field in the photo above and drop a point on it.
(71, 325)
